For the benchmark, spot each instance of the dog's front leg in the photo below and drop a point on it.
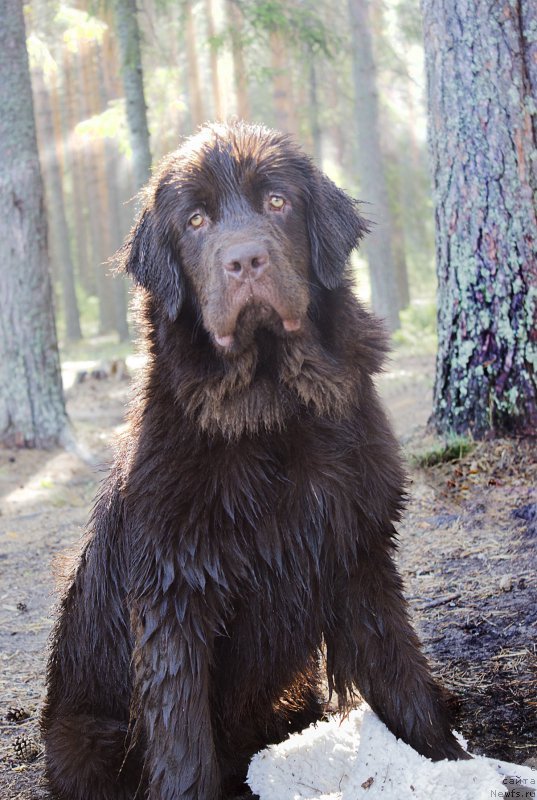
(171, 696)
(372, 646)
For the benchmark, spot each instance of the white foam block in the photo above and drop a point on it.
(357, 757)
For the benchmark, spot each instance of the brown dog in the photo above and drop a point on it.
(249, 516)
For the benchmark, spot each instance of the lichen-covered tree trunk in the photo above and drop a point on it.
(482, 80)
(32, 410)
(128, 35)
(378, 246)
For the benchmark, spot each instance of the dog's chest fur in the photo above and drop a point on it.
(259, 512)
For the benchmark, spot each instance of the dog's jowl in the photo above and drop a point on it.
(248, 523)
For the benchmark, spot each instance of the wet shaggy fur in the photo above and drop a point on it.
(248, 520)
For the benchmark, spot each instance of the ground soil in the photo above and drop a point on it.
(467, 553)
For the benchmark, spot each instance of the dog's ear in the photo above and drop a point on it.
(335, 228)
(150, 258)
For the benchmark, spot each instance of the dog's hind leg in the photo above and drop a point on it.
(90, 757)
(86, 712)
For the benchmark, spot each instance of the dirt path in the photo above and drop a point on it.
(467, 554)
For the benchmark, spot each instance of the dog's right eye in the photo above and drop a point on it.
(276, 202)
(196, 220)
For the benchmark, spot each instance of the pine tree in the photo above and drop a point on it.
(482, 86)
(378, 246)
(128, 34)
(32, 410)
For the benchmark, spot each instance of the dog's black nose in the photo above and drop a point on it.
(246, 260)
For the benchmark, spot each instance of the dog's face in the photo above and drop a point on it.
(241, 221)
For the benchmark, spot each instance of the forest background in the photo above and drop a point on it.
(114, 90)
(286, 65)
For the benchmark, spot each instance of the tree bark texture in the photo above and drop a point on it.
(482, 85)
(32, 410)
(128, 34)
(378, 245)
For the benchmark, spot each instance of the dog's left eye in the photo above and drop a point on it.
(276, 202)
(196, 220)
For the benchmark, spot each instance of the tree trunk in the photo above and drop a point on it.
(378, 245)
(399, 255)
(315, 125)
(215, 82)
(94, 153)
(128, 35)
(110, 221)
(80, 204)
(482, 79)
(282, 89)
(57, 220)
(239, 69)
(394, 159)
(117, 283)
(32, 410)
(74, 207)
(115, 166)
(197, 112)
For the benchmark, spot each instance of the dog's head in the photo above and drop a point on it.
(240, 220)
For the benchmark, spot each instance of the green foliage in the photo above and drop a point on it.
(109, 124)
(299, 23)
(40, 56)
(418, 327)
(93, 346)
(268, 15)
(409, 22)
(218, 41)
(168, 104)
(79, 26)
(96, 348)
(307, 33)
(453, 449)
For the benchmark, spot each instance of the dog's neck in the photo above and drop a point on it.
(252, 392)
(241, 399)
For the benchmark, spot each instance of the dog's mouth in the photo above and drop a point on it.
(254, 315)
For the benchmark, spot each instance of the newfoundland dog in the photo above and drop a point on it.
(245, 535)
